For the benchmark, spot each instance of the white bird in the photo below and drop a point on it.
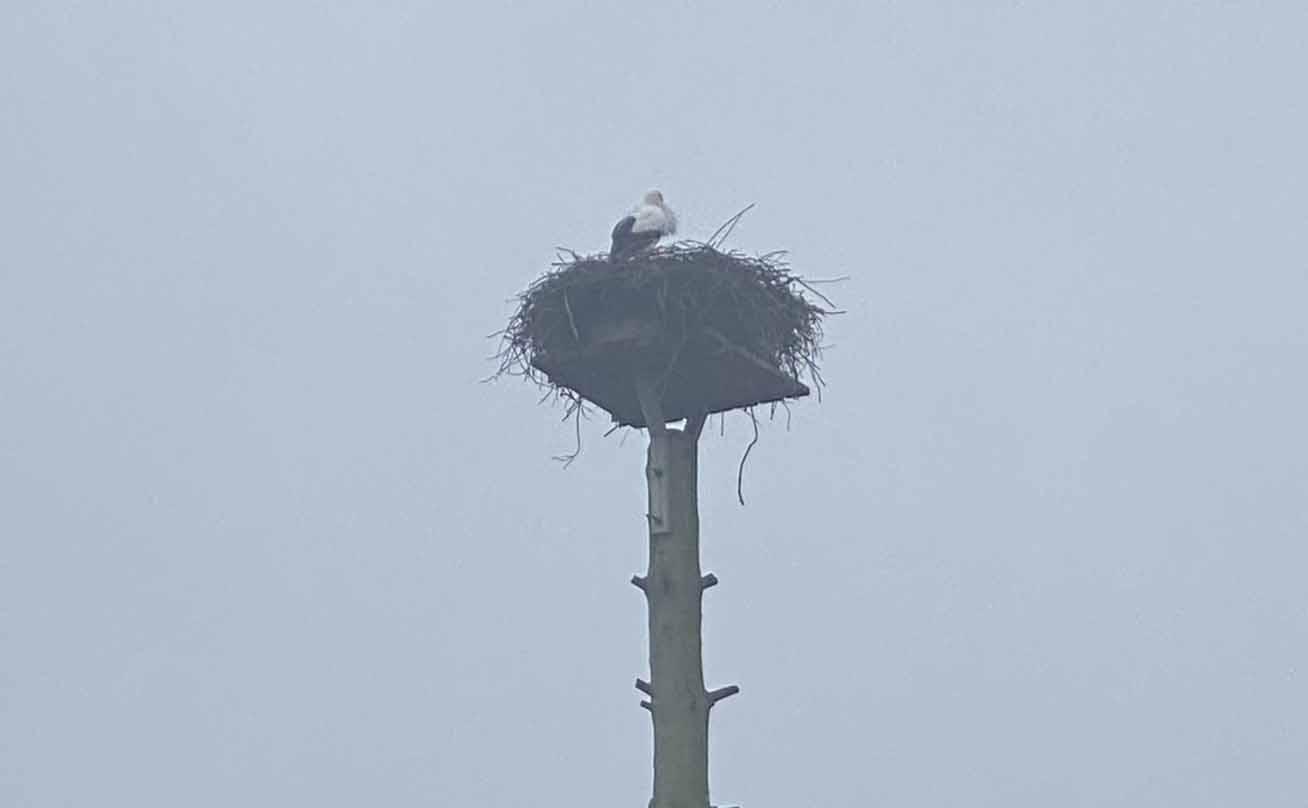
(649, 222)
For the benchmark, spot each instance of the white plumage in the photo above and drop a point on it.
(642, 229)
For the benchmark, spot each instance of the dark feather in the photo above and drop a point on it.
(627, 243)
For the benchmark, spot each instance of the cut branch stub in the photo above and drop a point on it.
(715, 696)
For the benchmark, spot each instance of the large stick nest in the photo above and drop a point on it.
(755, 303)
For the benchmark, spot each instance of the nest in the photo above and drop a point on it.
(589, 325)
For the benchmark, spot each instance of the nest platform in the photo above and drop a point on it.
(710, 331)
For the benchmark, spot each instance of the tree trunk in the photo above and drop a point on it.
(674, 589)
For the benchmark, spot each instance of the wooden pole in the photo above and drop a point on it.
(673, 587)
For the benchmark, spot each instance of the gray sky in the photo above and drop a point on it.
(265, 539)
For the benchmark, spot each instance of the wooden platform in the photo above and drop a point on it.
(701, 372)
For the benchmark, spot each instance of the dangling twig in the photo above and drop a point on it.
(566, 459)
(740, 472)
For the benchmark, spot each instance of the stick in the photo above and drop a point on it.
(740, 473)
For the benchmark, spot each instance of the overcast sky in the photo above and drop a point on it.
(265, 538)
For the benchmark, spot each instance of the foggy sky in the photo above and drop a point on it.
(266, 538)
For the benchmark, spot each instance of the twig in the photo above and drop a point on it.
(571, 322)
(740, 472)
(720, 235)
(566, 459)
(823, 297)
(840, 279)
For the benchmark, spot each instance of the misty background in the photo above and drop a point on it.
(266, 538)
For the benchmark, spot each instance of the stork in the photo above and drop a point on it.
(642, 229)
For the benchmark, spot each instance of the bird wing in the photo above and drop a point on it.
(628, 242)
(622, 230)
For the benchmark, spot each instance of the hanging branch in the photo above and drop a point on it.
(574, 410)
(740, 473)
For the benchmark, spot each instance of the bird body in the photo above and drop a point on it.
(642, 229)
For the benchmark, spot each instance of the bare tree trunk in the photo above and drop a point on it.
(674, 587)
